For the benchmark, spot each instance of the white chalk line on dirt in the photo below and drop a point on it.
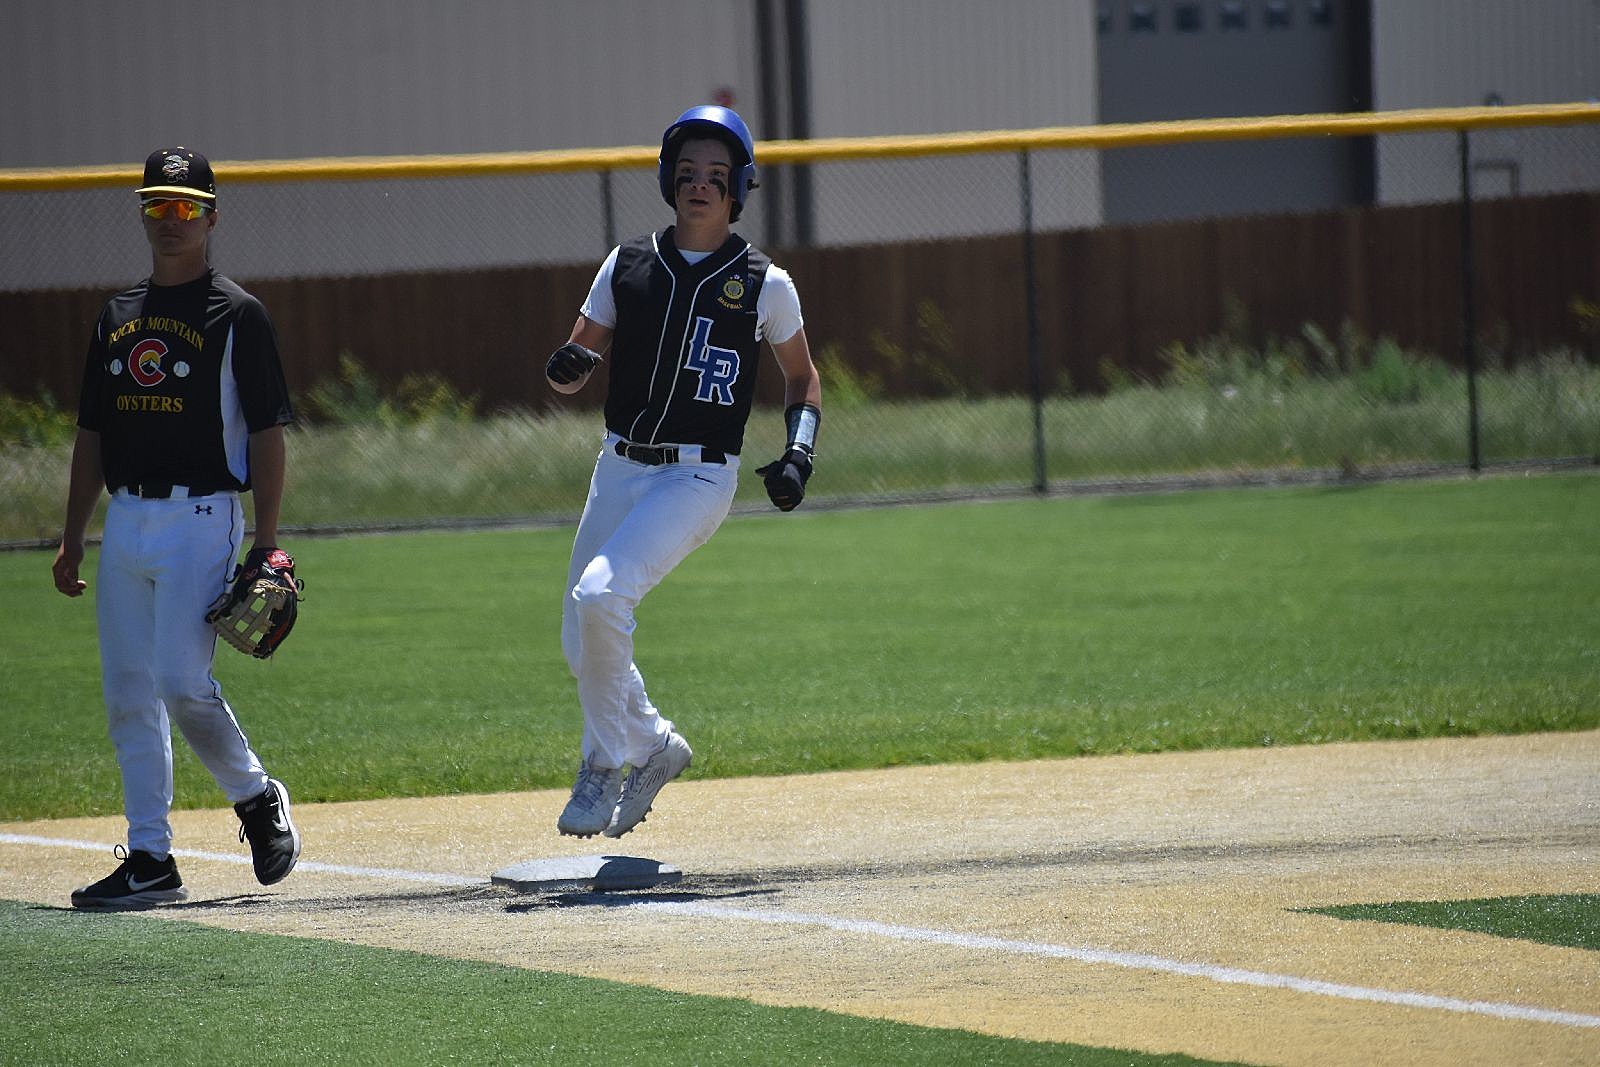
(1132, 960)
(977, 942)
(230, 857)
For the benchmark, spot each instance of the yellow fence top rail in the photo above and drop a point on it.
(832, 149)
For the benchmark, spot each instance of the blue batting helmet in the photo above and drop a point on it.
(723, 124)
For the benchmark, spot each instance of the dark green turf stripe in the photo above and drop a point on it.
(1571, 920)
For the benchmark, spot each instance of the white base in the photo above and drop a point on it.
(567, 874)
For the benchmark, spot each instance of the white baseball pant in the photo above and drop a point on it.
(161, 565)
(639, 523)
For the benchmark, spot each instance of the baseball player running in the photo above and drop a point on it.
(182, 408)
(683, 313)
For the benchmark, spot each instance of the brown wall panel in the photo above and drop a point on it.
(1115, 295)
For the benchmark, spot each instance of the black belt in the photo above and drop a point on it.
(160, 491)
(656, 455)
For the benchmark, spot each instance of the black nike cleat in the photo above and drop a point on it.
(142, 881)
(274, 842)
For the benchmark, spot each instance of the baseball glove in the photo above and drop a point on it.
(257, 610)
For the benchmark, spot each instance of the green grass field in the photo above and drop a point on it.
(429, 663)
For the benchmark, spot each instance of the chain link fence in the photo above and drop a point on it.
(983, 322)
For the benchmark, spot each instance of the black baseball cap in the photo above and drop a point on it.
(178, 172)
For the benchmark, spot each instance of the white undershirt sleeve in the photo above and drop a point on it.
(778, 315)
(600, 306)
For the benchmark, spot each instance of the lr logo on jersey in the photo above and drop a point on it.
(144, 362)
(718, 368)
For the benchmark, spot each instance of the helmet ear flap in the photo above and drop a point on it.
(744, 179)
(743, 183)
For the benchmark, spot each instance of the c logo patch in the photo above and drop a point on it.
(144, 362)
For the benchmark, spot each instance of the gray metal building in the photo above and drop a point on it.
(96, 82)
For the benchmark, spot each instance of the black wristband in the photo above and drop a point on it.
(802, 421)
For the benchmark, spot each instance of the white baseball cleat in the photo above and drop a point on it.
(643, 783)
(594, 800)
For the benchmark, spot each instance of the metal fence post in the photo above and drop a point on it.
(1041, 481)
(608, 209)
(1469, 328)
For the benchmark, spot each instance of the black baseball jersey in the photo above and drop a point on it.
(177, 378)
(684, 352)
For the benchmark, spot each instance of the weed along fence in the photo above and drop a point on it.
(984, 319)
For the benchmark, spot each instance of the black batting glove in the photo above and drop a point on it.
(569, 363)
(786, 478)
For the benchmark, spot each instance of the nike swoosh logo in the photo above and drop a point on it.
(705, 480)
(139, 887)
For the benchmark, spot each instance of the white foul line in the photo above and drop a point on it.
(230, 857)
(1132, 960)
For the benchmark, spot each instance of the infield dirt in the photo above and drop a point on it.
(944, 896)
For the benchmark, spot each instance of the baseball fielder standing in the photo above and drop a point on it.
(182, 408)
(683, 313)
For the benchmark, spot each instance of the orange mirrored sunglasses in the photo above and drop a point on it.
(187, 210)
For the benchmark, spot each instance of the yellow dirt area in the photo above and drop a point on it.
(1140, 902)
